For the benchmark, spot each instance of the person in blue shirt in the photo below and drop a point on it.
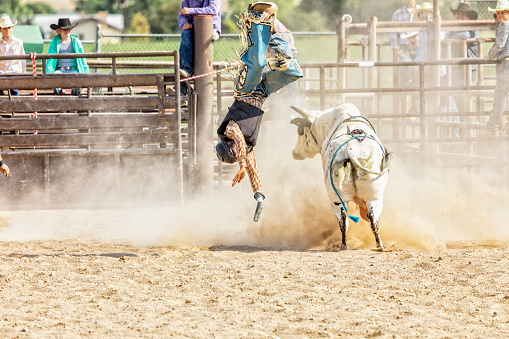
(65, 42)
(188, 10)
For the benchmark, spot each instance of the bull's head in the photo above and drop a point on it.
(307, 143)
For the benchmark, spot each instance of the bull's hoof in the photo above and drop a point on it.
(334, 246)
(380, 249)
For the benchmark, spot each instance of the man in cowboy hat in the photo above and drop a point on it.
(10, 45)
(64, 42)
(500, 51)
(463, 12)
(239, 130)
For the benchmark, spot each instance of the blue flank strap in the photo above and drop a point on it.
(353, 218)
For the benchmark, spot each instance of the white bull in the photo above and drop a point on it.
(353, 154)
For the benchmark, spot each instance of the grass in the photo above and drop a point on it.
(310, 48)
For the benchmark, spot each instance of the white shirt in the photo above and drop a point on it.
(13, 47)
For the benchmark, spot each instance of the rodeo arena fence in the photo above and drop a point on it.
(158, 148)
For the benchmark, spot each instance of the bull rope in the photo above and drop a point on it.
(33, 56)
(356, 136)
(206, 74)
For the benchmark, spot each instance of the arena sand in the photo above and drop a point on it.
(206, 270)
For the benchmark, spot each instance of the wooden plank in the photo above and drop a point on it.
(95, 103)
(85, 122)
(84, 152)
(80, 139)
(71, 80)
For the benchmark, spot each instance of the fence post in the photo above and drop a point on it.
(341, 31)
(372, 56)
(98, 39)
(204, 88)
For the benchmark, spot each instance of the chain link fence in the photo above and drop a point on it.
(481, 7)
(311, 46)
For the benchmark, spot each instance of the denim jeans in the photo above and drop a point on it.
(75, 91)
(186, 51)
(496, 121)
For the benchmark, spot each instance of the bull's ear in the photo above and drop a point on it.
(295, 120)
(301, 122)
(305, 114)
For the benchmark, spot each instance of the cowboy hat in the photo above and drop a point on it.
(425, 7)
(64, 23)
(502, 5)
(465, 8)
(409, 35)
(6, 22)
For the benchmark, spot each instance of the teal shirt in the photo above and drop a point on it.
(54, 48)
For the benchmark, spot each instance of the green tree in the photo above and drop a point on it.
(290, 14)
(40, 8)
(332, 10)
(139, 25)
(161, 14)
(94, 6)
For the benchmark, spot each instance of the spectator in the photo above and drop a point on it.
(425, 13)
(10, 45)
(239, 130)
(500, 51)
(188, 10)
(64, 42)
(398, 43)
(463, 12)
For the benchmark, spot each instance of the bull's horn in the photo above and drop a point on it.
(305, 114)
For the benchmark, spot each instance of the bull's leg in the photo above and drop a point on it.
(343, 227)
(374, 227)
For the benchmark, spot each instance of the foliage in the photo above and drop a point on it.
(23, 13)
(94, 6)
(40, 8)
(332, 10)
(139, 25)
(290, 14)
(297, 15)
(162, 15)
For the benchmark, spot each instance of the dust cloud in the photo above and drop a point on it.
(422, 210)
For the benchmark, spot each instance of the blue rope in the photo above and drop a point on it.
(353, 218)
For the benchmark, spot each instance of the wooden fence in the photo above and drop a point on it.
(119, 143)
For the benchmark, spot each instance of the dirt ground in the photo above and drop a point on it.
(206, 270)
(66, 289)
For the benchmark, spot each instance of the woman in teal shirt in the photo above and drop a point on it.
(64, 42)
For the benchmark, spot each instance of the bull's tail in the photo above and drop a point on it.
(384, 166)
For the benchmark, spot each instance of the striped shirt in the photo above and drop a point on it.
(500, 48)
(246, 161)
